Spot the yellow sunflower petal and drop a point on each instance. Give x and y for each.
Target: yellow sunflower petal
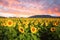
(33, 29)
(9, 23)
(21, 29)
(52, 29)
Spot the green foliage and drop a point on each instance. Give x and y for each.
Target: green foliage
(39, 31)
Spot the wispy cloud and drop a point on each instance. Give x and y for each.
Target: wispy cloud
(30, 7)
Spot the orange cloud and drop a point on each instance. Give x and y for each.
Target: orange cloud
(49, 11)
(32, 9)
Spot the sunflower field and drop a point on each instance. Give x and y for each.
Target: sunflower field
(29, 28)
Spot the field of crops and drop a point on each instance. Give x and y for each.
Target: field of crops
(29, 28)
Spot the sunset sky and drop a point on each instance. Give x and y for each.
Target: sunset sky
(26, 8)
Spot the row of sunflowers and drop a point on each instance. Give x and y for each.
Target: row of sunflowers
(29, 28)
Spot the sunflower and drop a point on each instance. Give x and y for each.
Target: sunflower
(36, 23)
(26, 25)
(46, 23)
(33, 29)
(42, 24)
(3, 24)
(19, 23)
(52, 29)
(14, 24)
(25, 22)
(21, 29)
(55, 23)
(9, 23)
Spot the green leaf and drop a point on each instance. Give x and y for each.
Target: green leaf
(28, 37)
(34, 37)
(16, 39)
(21, 36)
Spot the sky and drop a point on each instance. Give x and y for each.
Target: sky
(28, 8)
